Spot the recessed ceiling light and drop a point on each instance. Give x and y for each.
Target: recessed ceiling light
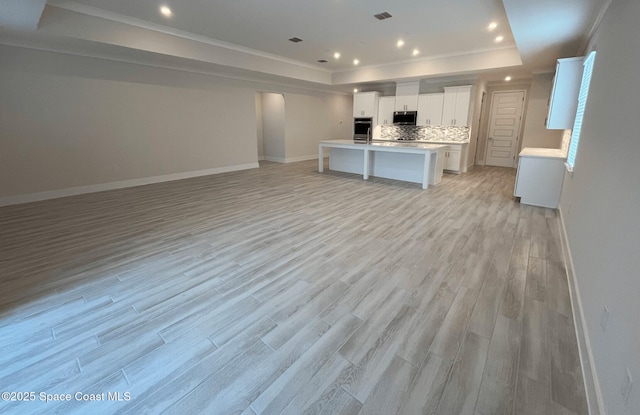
(295, 39)
(400, 43)
(355, 90)
(323, 60)
(336, 55)
(415, 52)
(166, 11)
(507, 78)
(355, 61)
(492, 26)
(499, 39)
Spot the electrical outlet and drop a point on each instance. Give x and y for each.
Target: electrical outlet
(116, 168)
(604, 318)
(625, 390)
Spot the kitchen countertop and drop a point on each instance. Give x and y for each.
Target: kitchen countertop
(408, 144)
(543, 152)
(411, 161)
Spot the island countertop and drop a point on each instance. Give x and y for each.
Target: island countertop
(387, 144)
(416, 162)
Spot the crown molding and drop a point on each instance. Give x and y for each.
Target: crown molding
(143, 24)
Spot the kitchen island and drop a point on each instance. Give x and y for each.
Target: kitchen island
(407, 161)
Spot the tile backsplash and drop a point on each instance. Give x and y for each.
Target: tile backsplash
(429, 133)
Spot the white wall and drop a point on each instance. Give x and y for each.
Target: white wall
(273, 126)
(71, 124)
(600, 206)
(259, 126)
(69, 121)
(535, 132)
(313, 118)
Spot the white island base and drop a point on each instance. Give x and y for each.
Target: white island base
(411, 162)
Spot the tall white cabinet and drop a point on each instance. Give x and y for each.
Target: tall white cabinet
(455, 109)
(430, 109)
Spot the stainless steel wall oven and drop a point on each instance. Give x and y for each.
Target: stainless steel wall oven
(362, 128)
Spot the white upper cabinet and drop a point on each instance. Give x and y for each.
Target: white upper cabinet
(430, 109)
(365, 104)
(455, 109)
(386, 106)
(564, 95)
(407, 96)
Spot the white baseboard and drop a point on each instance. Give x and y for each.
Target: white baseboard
(302, 158)
(290, 159)
(72, 191)
(590, 376)
(275, 159)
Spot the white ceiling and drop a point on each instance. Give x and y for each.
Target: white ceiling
(252, 35)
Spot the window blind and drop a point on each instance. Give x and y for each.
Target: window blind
(582, 102)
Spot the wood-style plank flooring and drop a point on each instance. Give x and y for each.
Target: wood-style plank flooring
(281, 290)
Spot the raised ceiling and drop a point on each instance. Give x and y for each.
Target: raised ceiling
(251, 36)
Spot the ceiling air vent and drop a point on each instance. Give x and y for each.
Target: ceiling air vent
(295, 39)
(323, 60)
(382, 16)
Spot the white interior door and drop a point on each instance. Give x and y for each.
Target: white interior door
(504, 128)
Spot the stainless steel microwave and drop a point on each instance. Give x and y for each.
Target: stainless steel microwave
(405, 117)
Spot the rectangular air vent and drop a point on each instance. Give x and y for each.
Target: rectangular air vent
(382, 16)
(295, 39)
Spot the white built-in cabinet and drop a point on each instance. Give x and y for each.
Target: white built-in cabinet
(365, 104)
(386, 106)
(430, 109)
(452, 160)
(455, 157)
(539, 177)
(407, 96)
(455, 109)
(564, 95)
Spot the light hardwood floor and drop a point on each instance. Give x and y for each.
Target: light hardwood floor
(283, 290)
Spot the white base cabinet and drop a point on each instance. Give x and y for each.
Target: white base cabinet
(452, 160)
(540, 176)
(455, 157)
